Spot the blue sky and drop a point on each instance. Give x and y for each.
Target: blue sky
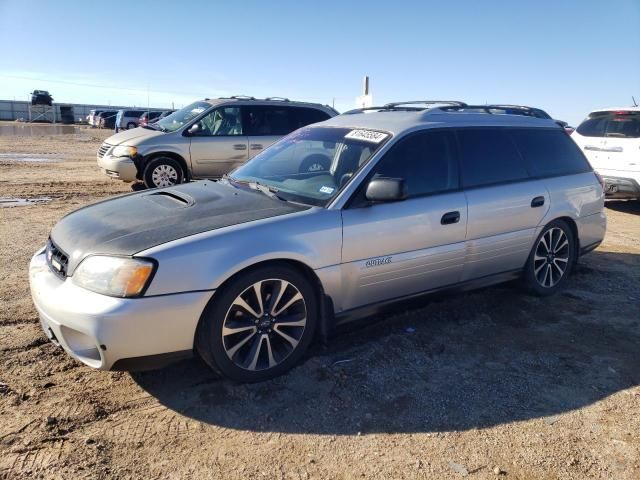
(567, 57)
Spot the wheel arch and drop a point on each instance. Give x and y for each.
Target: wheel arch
(152, 156)
(325, 303)
(574, 230)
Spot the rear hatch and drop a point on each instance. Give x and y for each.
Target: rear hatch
(611, 141)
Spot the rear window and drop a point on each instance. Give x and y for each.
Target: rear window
(489, 156)
(611, 124)
(550, 153)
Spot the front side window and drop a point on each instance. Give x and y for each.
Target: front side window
(424, 160)
(181, 117)
(489, 156)
(221, 122)
(312, 164)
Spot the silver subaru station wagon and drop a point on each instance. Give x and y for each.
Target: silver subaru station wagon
(244, 271)
(205, 139)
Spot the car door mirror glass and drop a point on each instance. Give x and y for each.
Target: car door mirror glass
(386, 190)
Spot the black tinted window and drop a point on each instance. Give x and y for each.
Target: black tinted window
(593, 127)
(267, 120)
(489, 156)
(550, 152)
(307, 116)
(425, 160)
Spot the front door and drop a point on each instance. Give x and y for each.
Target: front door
(219, 145)
(391, 250)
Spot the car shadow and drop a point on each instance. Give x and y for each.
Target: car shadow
(459, 362)
(624, 206)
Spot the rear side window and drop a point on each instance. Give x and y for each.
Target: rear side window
(611, 124)
(489, 156)
(266, 120)
(424, 160)
(550, 152)
(307, 116)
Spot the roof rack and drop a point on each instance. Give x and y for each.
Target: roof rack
(280, 99)
(487, 108)
(408, 106)
(242, 97)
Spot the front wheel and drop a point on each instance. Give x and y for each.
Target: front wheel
(551, 259)
(162, 172)
(131, 125)
(259, 325)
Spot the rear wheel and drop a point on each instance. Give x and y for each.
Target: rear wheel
(259, 325)
(551, 259)
(163, 172)
(131, 125)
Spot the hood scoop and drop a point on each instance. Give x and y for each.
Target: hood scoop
(171, 199)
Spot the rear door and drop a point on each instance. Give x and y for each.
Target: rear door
(505, 205)
(220, 144)
(266, 124)
(396, 249)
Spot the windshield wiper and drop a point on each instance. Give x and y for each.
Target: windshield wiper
(268, 190)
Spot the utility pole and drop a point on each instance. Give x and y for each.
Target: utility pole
(366, 99)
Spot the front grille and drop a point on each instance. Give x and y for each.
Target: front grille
(104, 148)
(57, 260)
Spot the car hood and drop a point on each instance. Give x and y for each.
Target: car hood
(137, 134)
(131, 223)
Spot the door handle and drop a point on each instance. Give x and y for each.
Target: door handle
(450, 217)
(537, 202)
(239, 146)
(256, 146)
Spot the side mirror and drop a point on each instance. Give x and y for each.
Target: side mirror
(386, 190)
(193, 129)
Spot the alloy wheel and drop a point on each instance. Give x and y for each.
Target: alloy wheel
(264, 324)
(551, 257)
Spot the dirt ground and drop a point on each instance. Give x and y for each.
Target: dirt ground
(489, 384)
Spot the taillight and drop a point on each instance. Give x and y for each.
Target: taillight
(600, 180)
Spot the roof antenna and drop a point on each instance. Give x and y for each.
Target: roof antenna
(635, 104)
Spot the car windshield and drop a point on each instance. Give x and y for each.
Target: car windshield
(312, 164)
(179, 118)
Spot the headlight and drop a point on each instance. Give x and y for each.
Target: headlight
(124, 151)
(114, 276)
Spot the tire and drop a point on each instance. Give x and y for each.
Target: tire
(266, 343)
(555, 246)
(131, 125)
(163, 172)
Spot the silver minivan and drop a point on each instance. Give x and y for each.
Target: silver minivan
(245, 271)
(205, 139)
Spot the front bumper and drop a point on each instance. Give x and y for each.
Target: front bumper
(122, 168)
(99, 330)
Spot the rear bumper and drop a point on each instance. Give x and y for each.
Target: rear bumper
(122, 168)
(591, 231)
(621, 187)
(107, 332)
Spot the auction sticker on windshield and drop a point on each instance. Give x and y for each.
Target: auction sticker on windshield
(367, 135)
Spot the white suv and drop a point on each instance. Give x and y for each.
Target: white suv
(610, 139)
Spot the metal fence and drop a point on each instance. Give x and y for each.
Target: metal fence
(15, 110)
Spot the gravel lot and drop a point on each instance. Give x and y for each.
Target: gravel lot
(489, 384)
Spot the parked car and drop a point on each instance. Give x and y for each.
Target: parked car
(205, 139)
(107, 119)
(91, 119)
(148, 117)
(166, 113)
(610, 138)
(128, 119)
(41, 97)
(244, 271)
